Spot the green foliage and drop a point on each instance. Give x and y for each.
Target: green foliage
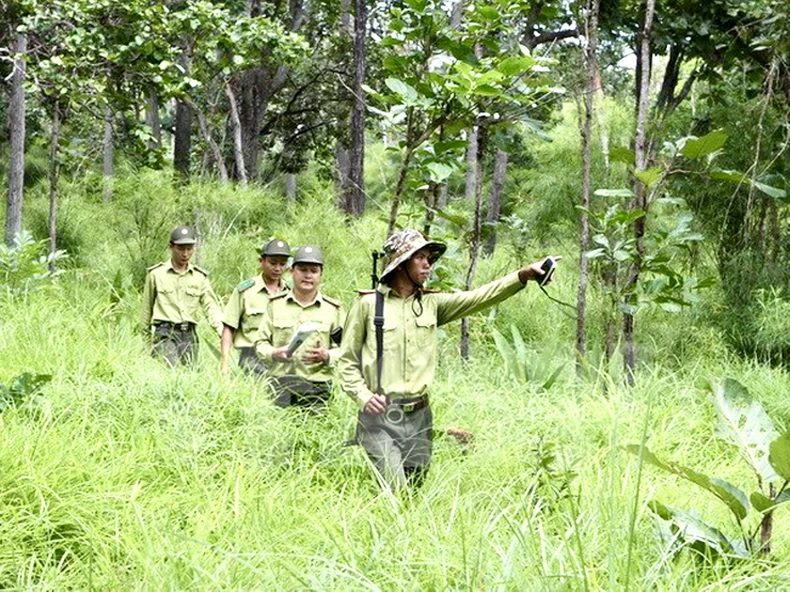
(742, 422)
(23, 267)
(527, 366)
(22, 390)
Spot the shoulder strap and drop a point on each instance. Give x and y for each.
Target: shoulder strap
(378, 321)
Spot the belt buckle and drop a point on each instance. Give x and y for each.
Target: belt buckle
(394, 414)
(184, 326)
(409, 407)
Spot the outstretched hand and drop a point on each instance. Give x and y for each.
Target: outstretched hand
(534, 271)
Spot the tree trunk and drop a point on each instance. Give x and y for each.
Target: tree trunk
(591, 60)
(640, 199)
(495, 202)
(182, 141)
(355, 189)
(477, 234)
(108, 168)
(290, 187)
(212, 144)
(16, 124)
(341, 172)
(153, 121)
(470, 186)
(54, 176)
(238, 152)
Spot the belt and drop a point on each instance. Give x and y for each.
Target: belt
(409, 404)
(184, 327)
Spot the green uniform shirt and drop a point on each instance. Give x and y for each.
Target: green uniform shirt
(245, 309)
(409, 355)
(177, 297)
(283, 316)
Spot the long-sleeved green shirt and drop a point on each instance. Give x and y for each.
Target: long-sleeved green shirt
(409, 354)
(245, 310)
(178, 297)
(284, 315)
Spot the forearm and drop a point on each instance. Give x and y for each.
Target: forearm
(226, 341)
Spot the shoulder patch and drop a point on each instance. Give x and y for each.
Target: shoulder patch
(332, 301)
(201, 270)
(245, 285)
(428, 291)
(363, 292)
(160, 264)
(278, 295)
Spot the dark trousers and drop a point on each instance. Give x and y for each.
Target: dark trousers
(175, 344)
(290, 391)
(250, 362)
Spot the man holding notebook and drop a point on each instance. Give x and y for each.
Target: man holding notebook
(299, 336)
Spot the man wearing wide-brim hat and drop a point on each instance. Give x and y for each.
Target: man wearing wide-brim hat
(174, 293)
(395, 424)
(247, 304)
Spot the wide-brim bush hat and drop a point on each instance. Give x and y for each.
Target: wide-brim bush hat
(183, 235)
(402, 245)
(276, 248)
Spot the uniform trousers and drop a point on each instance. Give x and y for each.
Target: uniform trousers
(398, 444)
(176, 344)
(250, 362)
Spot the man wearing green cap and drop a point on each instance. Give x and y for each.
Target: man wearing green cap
(299, 336)
(174, 292)
(247, 306)
(388, 356)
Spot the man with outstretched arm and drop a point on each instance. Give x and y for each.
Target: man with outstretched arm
(389, 374)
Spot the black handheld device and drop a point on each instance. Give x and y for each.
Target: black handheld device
(548, 266)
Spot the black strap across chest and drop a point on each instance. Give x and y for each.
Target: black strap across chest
(378, 321)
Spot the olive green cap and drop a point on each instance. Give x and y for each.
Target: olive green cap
(183, 235)
(308, 254)
(276, 248)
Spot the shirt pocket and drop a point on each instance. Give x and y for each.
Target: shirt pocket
(253, 318)
(282, 331)
(192, 296)
(425, 329)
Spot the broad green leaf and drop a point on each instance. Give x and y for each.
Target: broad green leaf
(650, 177)
(614, 193)
(696, 533)
(515, 66)
(439, 172)
(728, 175)
(774, 192)
(779, 455)
(763, 503)
(696, 148)
(404, 90)
(622, 154)
(734, 498)
(744, 423)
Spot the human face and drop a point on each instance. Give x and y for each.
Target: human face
(306, 278)
(273, 268)
(180, 254)
(418, 267)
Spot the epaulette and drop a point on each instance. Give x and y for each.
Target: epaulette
(429, 291)
(160, 264)
(279, 295)
(201, 270)
(245, 285)
(332, 301)
(364, 292)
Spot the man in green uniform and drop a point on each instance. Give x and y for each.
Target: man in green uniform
(174, 292)
(302, 374)
(395, 423)
(247, 305)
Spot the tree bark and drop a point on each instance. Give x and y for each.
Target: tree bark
(54, 176)
(108, 160)
(290, 187)
(238, 152)
(355, 189)
(591, 60)
(640, 198)
(477, 233)
(495, 201)
(470, 185)
(341, 172)
(182, 141)
(16, 124)
(153, 121)
(212, 144)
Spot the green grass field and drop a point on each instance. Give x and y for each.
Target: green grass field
(125, 474)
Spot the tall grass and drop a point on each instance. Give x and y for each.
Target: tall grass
(133, 476)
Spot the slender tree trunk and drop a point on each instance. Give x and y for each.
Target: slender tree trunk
(470, 186)
(206, 133)
(153, 121)
(290, 187)
(341, 173)
(355, 189)
(108, 161)
(495, 202)
(238, 151)
(586, 132)
(16, 123)
(403, 172)
(54, 176)
(640, 199)
(477, 234)
(182, 141)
